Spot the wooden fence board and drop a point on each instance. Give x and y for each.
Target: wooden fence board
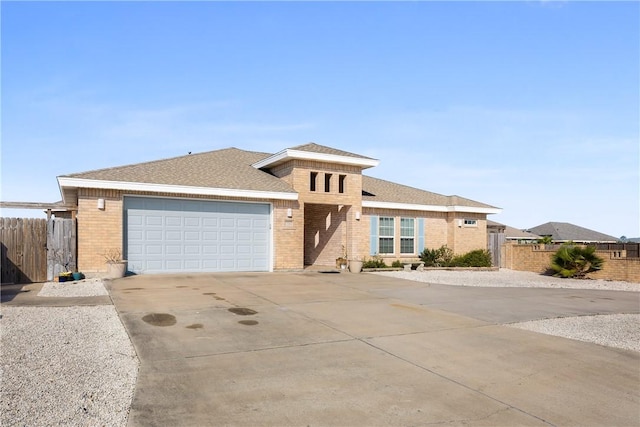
(61, 245)
(23, 255)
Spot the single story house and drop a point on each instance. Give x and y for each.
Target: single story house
(237, 210)
(511, 234)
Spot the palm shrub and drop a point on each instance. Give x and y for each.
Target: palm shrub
(575, 261)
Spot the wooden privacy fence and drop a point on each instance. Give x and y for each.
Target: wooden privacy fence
(36, 250)
(24, 250)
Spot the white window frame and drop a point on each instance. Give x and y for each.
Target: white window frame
(411, 237)
(386, 236)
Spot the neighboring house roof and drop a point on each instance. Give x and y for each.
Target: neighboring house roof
(378, 193)
(564, 232)
(512, 233)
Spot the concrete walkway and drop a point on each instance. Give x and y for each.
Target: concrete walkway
(360, 349)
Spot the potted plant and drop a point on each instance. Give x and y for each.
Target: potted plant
(65, 276)
(341, 261)
(355, 265)
(116, 266)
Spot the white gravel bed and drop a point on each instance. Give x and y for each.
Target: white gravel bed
(612, 330)
(508, 278)
(65, 366)
(80, 288)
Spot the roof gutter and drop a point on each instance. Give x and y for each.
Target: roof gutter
(69, 183)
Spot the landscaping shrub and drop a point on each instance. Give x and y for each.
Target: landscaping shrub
(440, 257)
(374, 262)
(575, 261)
(397, 264)
(477, 258)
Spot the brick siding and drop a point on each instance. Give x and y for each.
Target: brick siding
(537, 259)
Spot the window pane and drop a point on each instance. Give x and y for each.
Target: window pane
(406, 245)
(386, 227)
(386, 245)
(406, 227)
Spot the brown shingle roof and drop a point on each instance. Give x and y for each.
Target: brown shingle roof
(312, 147)
(564, 231)
(379, 190)
(228, 168)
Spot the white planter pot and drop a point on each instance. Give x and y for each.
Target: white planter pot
(355, 266)
(116, 270)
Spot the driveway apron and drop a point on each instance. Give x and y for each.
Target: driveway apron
(361, 349)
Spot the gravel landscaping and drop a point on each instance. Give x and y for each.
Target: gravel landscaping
(66, 365)
(508, 278)
(81, 288)
(617, 330)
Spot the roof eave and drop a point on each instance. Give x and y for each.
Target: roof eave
(289, 154)
(68, 183)
(429, 208)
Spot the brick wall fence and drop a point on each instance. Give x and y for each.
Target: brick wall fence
(537, 258)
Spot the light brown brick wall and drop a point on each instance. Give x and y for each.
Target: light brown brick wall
(98, 230)
(534, 258)
(463, 239)
(288, 235)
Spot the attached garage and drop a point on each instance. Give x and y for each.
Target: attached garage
(175, 235)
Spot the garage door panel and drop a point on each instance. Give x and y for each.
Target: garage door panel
(192, 236)
(210, 222)
(165, 235)
(173, 221)
(173, 250)
(153, 235)
(210, 236)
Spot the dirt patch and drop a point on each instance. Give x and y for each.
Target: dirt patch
(242, 311)
(160, 319)
(195, 326)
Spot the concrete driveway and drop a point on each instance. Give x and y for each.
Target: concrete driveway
(360, 349)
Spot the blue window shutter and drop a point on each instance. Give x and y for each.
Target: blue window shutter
(420, 235)
(373, 243)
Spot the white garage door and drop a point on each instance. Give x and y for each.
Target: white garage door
(173, 235)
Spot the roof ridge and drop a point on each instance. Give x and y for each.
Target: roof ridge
(151, 162)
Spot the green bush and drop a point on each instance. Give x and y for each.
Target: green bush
(397, 264)
(477, 258)
(575, 261)
(374, 262)
(440, 257)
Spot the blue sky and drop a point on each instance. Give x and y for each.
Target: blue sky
(533, 107)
